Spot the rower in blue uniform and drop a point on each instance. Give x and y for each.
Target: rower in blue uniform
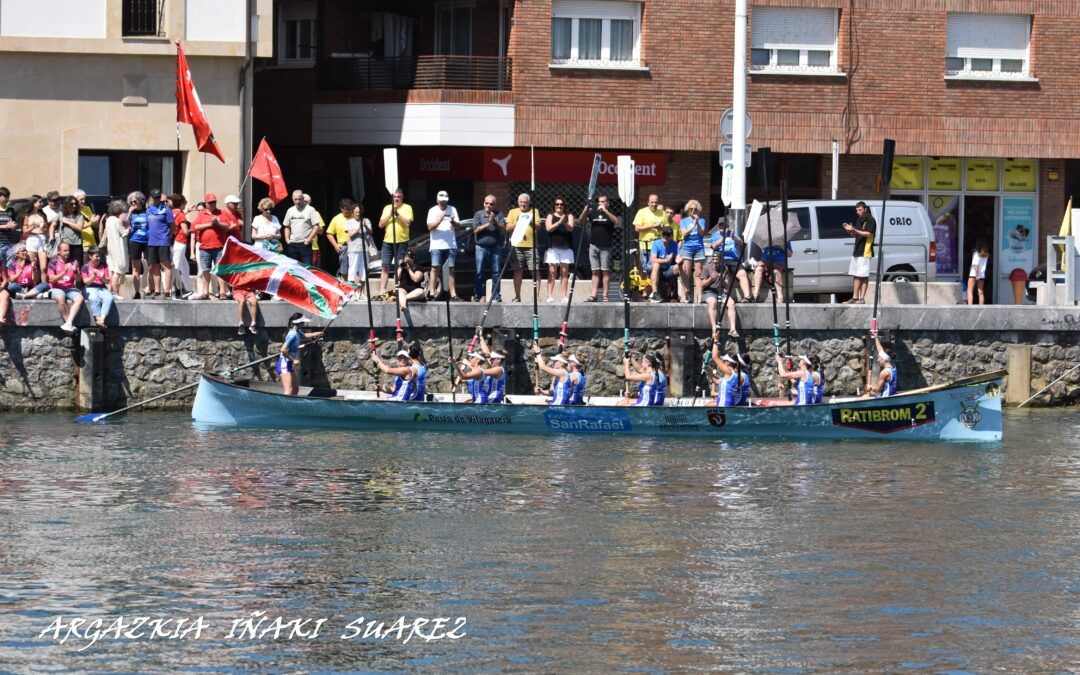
(819, 378)
(743, 369)
(561, 383)
(418, 391)
(727, 382)
(473, 374)
(494, 374)
(577, 368)
(887, 378)
(403, 373)
(652, 382)
(803, 378)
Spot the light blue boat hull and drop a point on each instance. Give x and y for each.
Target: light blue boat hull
(966, 410)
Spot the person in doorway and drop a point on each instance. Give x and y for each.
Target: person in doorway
(63, 275)
(442, 219)
(523, 253)
(395, 221)
(560, 253)
(864, 231)
(601, 223)
(288, 362)
(489, 228)
(980, 257)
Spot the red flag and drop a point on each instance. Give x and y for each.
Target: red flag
(265, 167)
(189, 109)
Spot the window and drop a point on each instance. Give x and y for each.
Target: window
(793, 40)
(596, 33)
(831, 219)
(987, 45)
(454, 22)
(296, 34)
(142, 18)
(803, 214)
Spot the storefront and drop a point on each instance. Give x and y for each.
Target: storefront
(974, 202)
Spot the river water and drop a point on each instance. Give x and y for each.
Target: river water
(560, 554)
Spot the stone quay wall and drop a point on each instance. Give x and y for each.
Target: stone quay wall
(154, 347)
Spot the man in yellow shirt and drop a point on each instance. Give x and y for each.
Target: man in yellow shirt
(522, 254)
(338, 237)
(395, 221)
(647, 223)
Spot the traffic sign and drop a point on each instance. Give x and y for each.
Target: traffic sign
(727, 153)
(727, 123)
(725, 183)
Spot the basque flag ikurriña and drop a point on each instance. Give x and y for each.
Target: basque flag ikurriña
(254, 269)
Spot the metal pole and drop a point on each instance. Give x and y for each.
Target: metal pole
(738, 105)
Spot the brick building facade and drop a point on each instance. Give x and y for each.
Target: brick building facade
(977, 82)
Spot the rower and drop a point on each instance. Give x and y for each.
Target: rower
(819, 378)
(887, 377)
(577, 367)
(473, 374)
(419, 388)
(403, 373)
(743, 369)
(561, 383)
(652, 383)
(803, 378)
(727, 382)
(494, 374)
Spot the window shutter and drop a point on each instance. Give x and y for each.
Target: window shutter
(987, 36)
(793, 28)
(596, 9)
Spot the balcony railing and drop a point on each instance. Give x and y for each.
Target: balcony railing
(142, 18)
(435, 71)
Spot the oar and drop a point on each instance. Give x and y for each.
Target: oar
(450, 349)
(487, 308)
(577, 253)
(626, 174)
(766, 157)
(1036, 394)
(390, 176)
(887, 152)
(722, 310)
(788, 277)
(701, 374)
(367, 296)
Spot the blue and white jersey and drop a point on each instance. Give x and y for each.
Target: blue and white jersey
(804, 390)
(476, 390)
(890, 387)
(419, 383)
(819, 387)
(744, 389)
(727, 391)
(292, 343)
(661, 389)
(577, 392)
(495, 388)
(401, 390)
(561, 390)
(652, 393)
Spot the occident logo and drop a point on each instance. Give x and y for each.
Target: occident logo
(609, 169)
(885, 419)
(435, 165)
(587, 421)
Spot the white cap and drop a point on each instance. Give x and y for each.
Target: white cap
(573, 359)
(559, 357)
(727, 358)
(301, 320)
(496, 355)
(806, 360)
(232, 199)
(403, 353)
(477, 355)
(442, 196)
(884, 357)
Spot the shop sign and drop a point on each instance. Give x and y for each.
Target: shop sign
(1017, 235)
(982, 175)
(570, 166)
(907, 173)
(1020, 175)
(944, 173)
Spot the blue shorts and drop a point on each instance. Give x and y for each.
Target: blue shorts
(72, 294)
(208, 257)
(284, 365)
(774, 254)
(440, 254)
(692, 251)
(391, 254)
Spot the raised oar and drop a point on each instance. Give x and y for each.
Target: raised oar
(450, 348)
(563, 331)
(788, 290)
(487, 308)
(626, 174)
(390, 177)
(367, 295)
(887, 152)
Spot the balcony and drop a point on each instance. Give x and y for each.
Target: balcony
(359, 72)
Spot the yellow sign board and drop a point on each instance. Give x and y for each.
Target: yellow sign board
(1020, 175)
(944, 173)
(907, 173)
(982, 175)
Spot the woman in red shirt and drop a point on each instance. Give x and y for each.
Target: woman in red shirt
(182, 278)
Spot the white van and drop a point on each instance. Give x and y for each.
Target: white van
(822, 250)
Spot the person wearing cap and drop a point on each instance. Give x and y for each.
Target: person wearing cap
(395, 221)
(727, 380)
(441, 221)
(472, 371)
(495, 373)
(576, 366)
(887, 377)
(805, 384)
(214, 227)
(562, 381)
(300, 226)
(649, 374)
(160, 221)
(410, 374)
(288, 362)
(662, 261)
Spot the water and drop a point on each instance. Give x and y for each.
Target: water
(563, 554)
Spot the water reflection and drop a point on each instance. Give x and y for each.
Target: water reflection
(583, 554)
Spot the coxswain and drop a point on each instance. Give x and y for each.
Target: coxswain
(561, 383)
(289, 359)
(886, 384)
(652, 382)
(803, 379)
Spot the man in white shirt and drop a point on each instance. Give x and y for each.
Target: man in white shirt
(51, 210)
(441, 221)
(300, 226)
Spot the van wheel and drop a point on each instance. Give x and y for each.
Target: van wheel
(902, 275)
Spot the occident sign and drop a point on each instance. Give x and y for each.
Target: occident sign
(512, 164)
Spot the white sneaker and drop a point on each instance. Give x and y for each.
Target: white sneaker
(564, 301)
(67, 327)
(550, 299)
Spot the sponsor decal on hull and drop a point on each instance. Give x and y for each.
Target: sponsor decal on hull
(587, 422)
(885, 419)
(485, 420)
(716, 416)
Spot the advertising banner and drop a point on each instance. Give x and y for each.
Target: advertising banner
(1017, 235)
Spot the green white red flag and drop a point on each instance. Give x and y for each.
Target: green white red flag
(255, 269)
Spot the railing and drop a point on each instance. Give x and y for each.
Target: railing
(143, 18)
(349, 72)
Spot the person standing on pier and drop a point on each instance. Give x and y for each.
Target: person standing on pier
(489, 228)
(288, 362)
(863, 230)
(395, 221)
(442, 219)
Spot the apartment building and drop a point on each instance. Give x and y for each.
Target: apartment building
(978, 95)
(87, 92)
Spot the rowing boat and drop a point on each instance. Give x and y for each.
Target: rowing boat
(964, 410)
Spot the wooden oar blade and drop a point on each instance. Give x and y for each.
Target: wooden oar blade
(390, 169)
(626, 170)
